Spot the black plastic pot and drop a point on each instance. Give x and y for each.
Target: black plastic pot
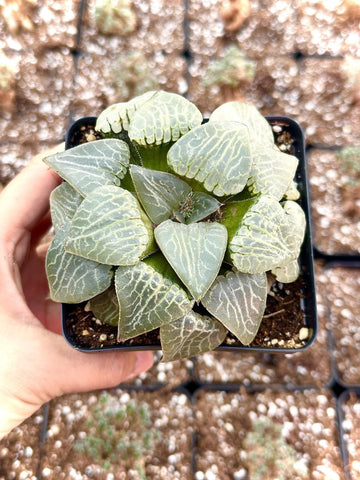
(75, 135)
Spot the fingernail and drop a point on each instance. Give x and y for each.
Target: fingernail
(144, 361)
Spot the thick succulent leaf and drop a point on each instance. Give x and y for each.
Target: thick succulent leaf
(159, 192)
(110, 227)
(293, 237)
(190, 335)
(196, 206)
(247, 114)
(260, 241)
(117, 117)
(271, 172)
(217, 155)
(147, 300)
(106, 307)
(93, 164)
(292, 193)
(238, 301)
(163, 119)
(64, 201)
(287, 273)
(73, 279)
(194, 251)
(297, 225)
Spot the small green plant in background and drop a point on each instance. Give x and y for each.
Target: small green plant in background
(269, 455)
(350, 157)
(114, 17)
(118, 431)
(233, 69)
(132, 75)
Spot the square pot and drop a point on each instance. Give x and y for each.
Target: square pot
(74, 319)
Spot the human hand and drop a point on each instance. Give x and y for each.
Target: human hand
(36, 363)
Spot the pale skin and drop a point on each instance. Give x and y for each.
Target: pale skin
(36, 363)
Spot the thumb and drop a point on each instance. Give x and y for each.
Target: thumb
(40, 369)
(79, 372)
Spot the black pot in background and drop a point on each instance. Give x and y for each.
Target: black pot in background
(75, 136)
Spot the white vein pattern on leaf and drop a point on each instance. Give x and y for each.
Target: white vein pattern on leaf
(188, 252)
(259, 245)
(152, 297)
(238, 300)
(210, 163)
(71, 270)
(114, 227)
(105, 161)
(191, 333)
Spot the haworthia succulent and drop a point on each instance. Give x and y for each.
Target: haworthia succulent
(159, 192)
(297, 223)
(163, 119)
(64, 201)
(194, 251)
(272, 171)
(106, 307)
(292, 193)
(164, 195)
(73, 279)
(196, 206)
(259, 243)
(210, 192)
(216, 155)
(147, 300)
(287, 273)
(93, 164)
(117, 117)
(293, 237)
(238, 301)
(109, 227)
(190, 335)
(247, 114)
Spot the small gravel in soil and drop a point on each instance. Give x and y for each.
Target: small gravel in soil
(169, 458)
(52, 24)
(307, 417)
(344, 309)
(20, 450)
(328, 28)
(160, 28)
(94, 88)
(329, 113)
(43, 98)
(351, 429)
(336, 224)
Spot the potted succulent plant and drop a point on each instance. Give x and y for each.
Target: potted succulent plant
(174, 228)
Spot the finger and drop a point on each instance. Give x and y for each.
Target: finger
(68, 370)
(42, 366)
(104, 369)
(25, 200)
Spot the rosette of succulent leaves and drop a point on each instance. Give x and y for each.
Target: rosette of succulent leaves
(174, 223)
